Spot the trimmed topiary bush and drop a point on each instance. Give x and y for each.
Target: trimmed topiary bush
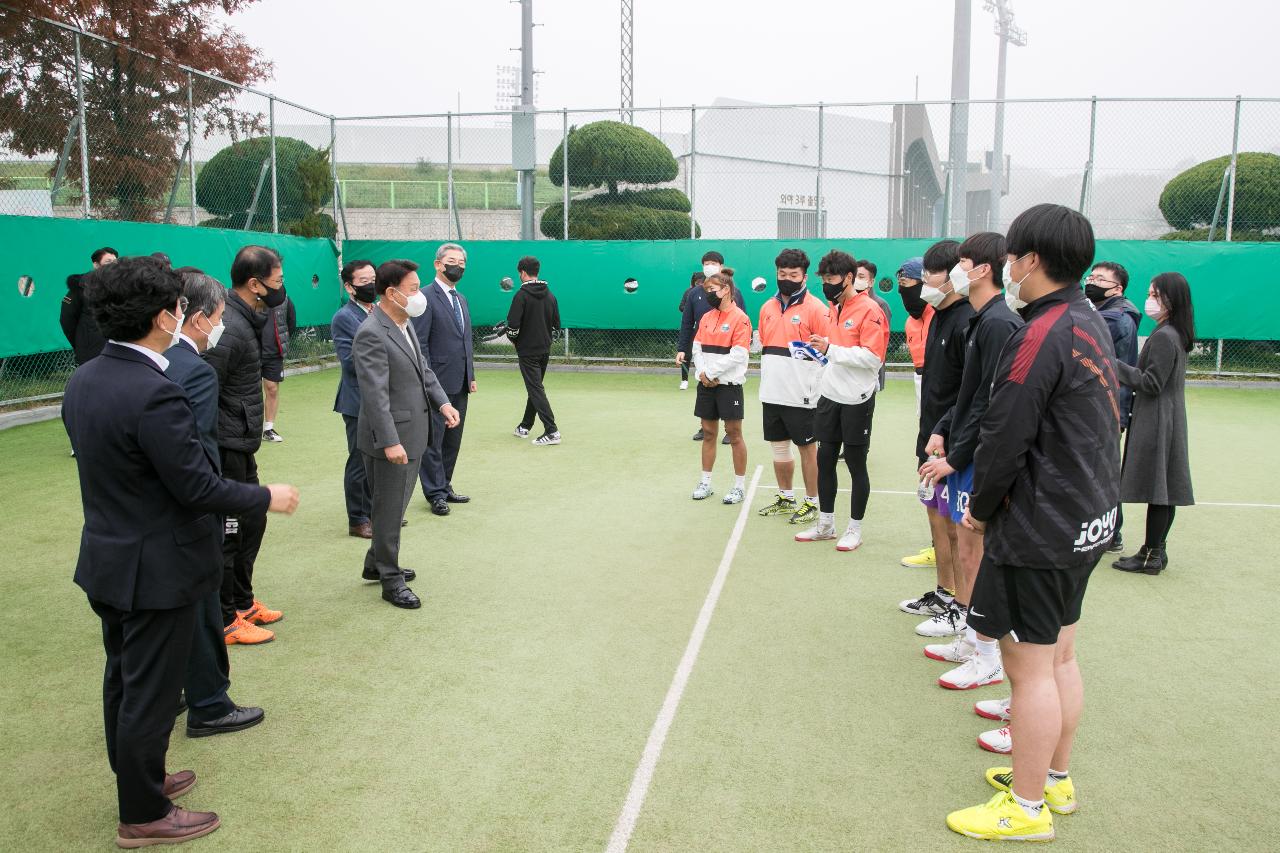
(227, 182)
(1188, 201)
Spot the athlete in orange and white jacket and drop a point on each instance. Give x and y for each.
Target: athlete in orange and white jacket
(720, 350)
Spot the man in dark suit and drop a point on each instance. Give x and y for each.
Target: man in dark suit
(210, 709)
(150, 548)
(359, 280)
(445, 332)
(398, 397)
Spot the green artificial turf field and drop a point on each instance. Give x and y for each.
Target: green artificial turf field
(511, 711)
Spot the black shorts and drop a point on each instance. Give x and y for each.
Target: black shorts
(273, 369)
(1030, 605)
(788, 423)
(718, 403)
(849, 425)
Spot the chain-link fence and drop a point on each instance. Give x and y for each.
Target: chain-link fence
(92, 129)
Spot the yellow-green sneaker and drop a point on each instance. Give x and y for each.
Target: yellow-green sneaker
(926, 559)
(782, 505)
(806, 513)
(1061, 798)
(1002, 819)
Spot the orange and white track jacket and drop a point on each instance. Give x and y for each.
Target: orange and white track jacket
(858, 340)
(784, 380)
(720, 346)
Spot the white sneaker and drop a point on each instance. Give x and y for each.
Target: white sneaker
(998, 740)
(958, 650)
(851, 539)
(684, 385)
(817, 533)
(703, 491)
(945, 624)
(994, 709)
(977, 671)
(734, 496)
(547, 439)
(520, 432)
(926, 605)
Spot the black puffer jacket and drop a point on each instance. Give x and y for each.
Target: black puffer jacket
(237, 359)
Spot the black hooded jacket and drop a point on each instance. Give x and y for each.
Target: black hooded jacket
(237, 359)
(533, 318)
(78, 323)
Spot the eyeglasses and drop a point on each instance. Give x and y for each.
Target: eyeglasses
(1097, 279)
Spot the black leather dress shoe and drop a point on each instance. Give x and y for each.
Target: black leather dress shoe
(182, 702)
(237, 721)
(439, 506)
(372, 574)
(402, 597)
(455, 498)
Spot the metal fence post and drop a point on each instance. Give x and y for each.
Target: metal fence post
(275, 185)
(693, 148)
(1231, 190)
(85, 203)
(191, 145)
(1218, 368)
(564, 175)
(566, 343)
(449, 155)
(333, 168)
(1086, 186)
(818, 229)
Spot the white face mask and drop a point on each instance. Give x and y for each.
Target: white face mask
(710, 269)
(861, 284)
(960, 280)
(932, 295)
(176, 334)
(416, 305)
(1013, 289)
(1153, 308)
(215, 335)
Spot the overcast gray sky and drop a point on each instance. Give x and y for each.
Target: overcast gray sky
(392, 56)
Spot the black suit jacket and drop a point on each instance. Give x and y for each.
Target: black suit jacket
(151, 538)
(194, 375)
(448, 350)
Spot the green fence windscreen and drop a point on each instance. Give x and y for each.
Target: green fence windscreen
(37, 254)
(587, 276)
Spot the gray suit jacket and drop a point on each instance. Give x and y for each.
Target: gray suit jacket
(398, 391)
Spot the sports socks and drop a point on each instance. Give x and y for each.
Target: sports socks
(706, 478)
(789, 494)
(739, 482)
(1031, 807)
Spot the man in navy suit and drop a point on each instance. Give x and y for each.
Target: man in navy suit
(359, 281)
(210, 709)
(445, 334)
(150, 547)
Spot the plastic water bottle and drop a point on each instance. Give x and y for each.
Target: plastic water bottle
(925, 490)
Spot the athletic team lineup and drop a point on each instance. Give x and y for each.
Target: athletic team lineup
(1025, 384)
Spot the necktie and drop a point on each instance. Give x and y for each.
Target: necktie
(457, 309)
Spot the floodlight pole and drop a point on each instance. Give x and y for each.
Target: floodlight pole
(957, 215)
(1008, 32)
(526, 106)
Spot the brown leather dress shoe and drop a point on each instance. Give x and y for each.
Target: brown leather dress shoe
(177, 784)
(177, 826)
(363, 530)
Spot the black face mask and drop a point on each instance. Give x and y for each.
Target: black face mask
(365, 293)
(789, 288)
(713, 299)
(911, 300)
(832, 291)
(274, 298)
(453, 272)
(1095, 293)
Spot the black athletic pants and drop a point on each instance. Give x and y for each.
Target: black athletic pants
(532, 370)
(855, 459)
(242, 541)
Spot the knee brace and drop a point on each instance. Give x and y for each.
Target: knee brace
(782, 451)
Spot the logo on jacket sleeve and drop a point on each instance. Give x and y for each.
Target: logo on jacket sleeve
(1096, 532)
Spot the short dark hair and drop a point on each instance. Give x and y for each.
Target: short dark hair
(529, 265)
(350, 267)
(126, 296)
(254, 262)
(99, 254)
(838, 263)
(391, 273)
(1062, 237)
(871, 268)
(1175, 295)
(791, 259)
(162, 258)
(942, 256)
(1121, 274)
(697, 279)
(713, 257)
(986, 247)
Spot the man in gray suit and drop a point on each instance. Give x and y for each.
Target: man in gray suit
(398, 394)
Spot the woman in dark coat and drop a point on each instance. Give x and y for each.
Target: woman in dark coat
(1156, 469)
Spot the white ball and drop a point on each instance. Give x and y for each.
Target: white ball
(758, 284)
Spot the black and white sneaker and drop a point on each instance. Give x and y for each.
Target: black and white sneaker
(547, 438)
(272, 436)
(521, 432)
(928, 604)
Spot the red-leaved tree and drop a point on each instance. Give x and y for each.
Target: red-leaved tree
(135, 92)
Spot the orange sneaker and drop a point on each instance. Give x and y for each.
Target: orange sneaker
(246, 633)
(260, 614)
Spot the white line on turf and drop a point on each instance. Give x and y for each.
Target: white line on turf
(1198, 503)
(658, 734)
